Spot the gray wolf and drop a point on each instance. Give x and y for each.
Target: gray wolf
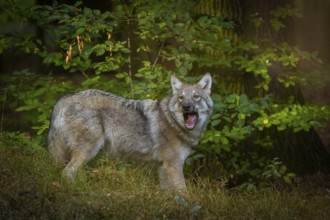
(163, 131)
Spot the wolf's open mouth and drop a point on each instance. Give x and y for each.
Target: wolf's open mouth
(190, 120)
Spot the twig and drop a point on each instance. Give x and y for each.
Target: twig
(159, 52)
(84, 74)
(130, 63)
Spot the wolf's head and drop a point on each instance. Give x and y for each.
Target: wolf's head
(192, 104)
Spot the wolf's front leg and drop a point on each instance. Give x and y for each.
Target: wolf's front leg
(171, 176)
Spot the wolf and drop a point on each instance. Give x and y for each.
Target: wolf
(162, 131)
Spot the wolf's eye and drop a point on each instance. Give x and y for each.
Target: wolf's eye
(196, 96)
(181, 97)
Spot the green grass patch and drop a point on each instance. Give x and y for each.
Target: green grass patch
(31, 188)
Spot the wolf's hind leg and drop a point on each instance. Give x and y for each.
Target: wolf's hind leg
(76, 161)
(79, 157)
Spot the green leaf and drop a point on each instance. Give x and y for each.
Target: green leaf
(120, 75)
(25, 108)
(281, 127)
(215, 122)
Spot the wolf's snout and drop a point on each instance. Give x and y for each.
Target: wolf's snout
(188, 107)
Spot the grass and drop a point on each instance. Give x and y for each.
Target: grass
(31, 188)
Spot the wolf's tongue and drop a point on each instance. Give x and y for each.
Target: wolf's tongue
(191, 120)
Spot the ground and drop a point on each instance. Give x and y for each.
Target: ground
(31, 187)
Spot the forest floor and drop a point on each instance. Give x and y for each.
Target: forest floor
(31, 188)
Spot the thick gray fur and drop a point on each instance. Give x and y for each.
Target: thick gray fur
(146, 130)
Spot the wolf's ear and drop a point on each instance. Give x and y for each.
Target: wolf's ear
(206, 83)
(176, 84)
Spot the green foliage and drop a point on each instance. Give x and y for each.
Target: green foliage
(132, 51)
(232, 113)
(36, 95)
(298, 117)
(20, 141)
(277, 170)
(277, 17)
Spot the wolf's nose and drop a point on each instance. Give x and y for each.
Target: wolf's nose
(188, 107)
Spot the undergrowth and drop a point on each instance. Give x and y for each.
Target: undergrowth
(31, 188)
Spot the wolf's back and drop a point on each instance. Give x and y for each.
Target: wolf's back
(87, 120)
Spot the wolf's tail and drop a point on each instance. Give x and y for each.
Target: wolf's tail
(57, 147)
